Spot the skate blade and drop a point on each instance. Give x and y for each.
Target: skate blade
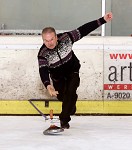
(53, 131)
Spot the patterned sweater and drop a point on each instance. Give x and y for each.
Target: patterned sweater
(61, 61)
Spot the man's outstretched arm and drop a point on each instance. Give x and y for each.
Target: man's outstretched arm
(85, 29)
(91, 26)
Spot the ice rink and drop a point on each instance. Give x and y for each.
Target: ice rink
(85, 133)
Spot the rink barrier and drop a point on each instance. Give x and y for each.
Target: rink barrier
(17, 71)
(17, 107)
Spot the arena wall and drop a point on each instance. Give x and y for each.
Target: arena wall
(105, 73)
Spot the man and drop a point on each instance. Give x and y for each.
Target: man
(58, 62)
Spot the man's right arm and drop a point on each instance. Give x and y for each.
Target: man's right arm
(44, 75)
(43, 71)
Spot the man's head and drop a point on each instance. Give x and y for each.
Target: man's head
(49, 37)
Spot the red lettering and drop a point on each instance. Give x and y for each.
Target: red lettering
(120, 56)
(113, 56)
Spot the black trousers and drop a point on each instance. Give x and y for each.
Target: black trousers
(67, 87)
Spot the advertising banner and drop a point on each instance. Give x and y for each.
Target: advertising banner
(117, 72)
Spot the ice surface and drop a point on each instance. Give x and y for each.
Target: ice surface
(85, 133)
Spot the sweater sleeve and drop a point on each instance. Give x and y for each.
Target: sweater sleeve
(43, 71)
(90, 26)
(85, 29)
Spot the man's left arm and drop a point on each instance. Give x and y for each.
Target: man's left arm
(85, 29)
(91, 26)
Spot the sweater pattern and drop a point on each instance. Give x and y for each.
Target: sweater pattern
(61, 54)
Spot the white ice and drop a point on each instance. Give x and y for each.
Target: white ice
(85, 133)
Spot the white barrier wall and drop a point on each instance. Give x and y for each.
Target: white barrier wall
(118, 68)
(19, 76)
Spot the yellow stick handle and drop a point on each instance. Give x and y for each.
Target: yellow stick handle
(51, 114)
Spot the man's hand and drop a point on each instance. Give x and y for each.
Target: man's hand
(108, 16)
(52, 91)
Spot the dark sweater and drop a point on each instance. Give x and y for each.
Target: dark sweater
(61, 61)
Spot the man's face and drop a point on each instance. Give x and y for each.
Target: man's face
(50, 40)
